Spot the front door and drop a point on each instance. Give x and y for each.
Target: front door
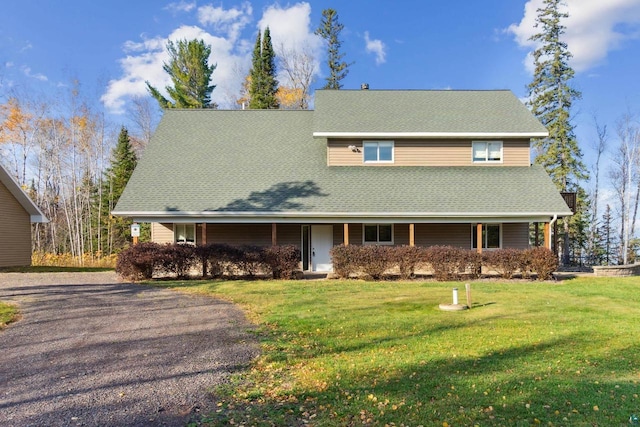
(321, 244)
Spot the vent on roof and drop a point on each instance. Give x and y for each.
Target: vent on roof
(364, 86)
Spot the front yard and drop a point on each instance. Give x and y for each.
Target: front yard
(382, 353)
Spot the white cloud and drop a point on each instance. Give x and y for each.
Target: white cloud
(38, 76)
(150, 55)
(593, 29)
(291, 31)
(376, 47)
(229, 21)
(181, 6)
(230, 50)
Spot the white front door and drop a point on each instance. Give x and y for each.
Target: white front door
(321, 244)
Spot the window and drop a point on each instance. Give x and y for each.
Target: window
(381, 234)
(185, 233)
(378, 151)
(490, 236)
(487, 151)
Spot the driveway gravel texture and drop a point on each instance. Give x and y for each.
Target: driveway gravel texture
(90, 351)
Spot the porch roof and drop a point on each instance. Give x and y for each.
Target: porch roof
(265, 166)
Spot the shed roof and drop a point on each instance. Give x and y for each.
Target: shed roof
(27, 204)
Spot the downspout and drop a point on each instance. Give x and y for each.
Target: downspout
(553, 220)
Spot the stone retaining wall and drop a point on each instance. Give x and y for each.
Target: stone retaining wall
(617, 270)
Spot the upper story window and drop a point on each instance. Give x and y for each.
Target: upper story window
(185, 233)
(380, 234)
(487, 151)
(378, 151)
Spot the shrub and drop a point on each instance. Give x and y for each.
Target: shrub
(217, 257)
(282, 260)
(444, 261)
(504, 261)
(543, 262)
(470, 262)
(344, 259)
(177, 259)
(374, 260)
(249, 259)
(407, 259)
(138, 262)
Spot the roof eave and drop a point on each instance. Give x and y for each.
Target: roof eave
(35, 214)
(352, 217)
(447, 135)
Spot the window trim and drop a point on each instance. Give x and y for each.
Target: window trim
(377, 242)
(185, 225)
(484, 234)
(377, 143)
(486, 158)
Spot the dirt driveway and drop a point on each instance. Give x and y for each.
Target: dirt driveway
(90, 351)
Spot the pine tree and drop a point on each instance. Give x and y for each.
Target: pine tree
(190, 73)
(329, 30)
(550, 100)
(263, 84)
(115, 231)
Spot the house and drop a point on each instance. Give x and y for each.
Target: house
(17, 212)
(365, 167)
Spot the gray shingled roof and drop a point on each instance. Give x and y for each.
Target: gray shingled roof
(227, 164)
(439, 111)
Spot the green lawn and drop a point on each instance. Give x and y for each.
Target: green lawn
(381, 353)
(8, 314)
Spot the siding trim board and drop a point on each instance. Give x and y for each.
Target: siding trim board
(491, 135)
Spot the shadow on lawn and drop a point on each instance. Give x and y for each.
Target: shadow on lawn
(542, 383)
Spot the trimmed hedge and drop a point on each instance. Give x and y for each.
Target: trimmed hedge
(146, 260)
(445, 262)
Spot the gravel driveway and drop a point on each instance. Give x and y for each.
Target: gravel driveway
(90, 351)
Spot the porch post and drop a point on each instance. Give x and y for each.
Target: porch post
(346, 234)
(203, 241)
(203, 234)
(412, 234)
(547, 235)
(274, 238)
(479, 237)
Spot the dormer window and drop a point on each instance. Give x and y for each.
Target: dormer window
(377, 151)
(487, 151)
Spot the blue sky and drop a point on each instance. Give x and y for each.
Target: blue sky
(113, 46)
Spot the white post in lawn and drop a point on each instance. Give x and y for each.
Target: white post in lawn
(468, 287)
(455, 296)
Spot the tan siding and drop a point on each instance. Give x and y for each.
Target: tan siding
(515, 235)
(401, 234)
(15, 229)
(444, 234)
(162, 232)
(428, 153)
(239, 234)
(289, 234)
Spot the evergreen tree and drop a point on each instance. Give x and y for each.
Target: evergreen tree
(190, 73)
(550, 100)
(263, 86)
(115, 230)
(608, 240)
(329, 30)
